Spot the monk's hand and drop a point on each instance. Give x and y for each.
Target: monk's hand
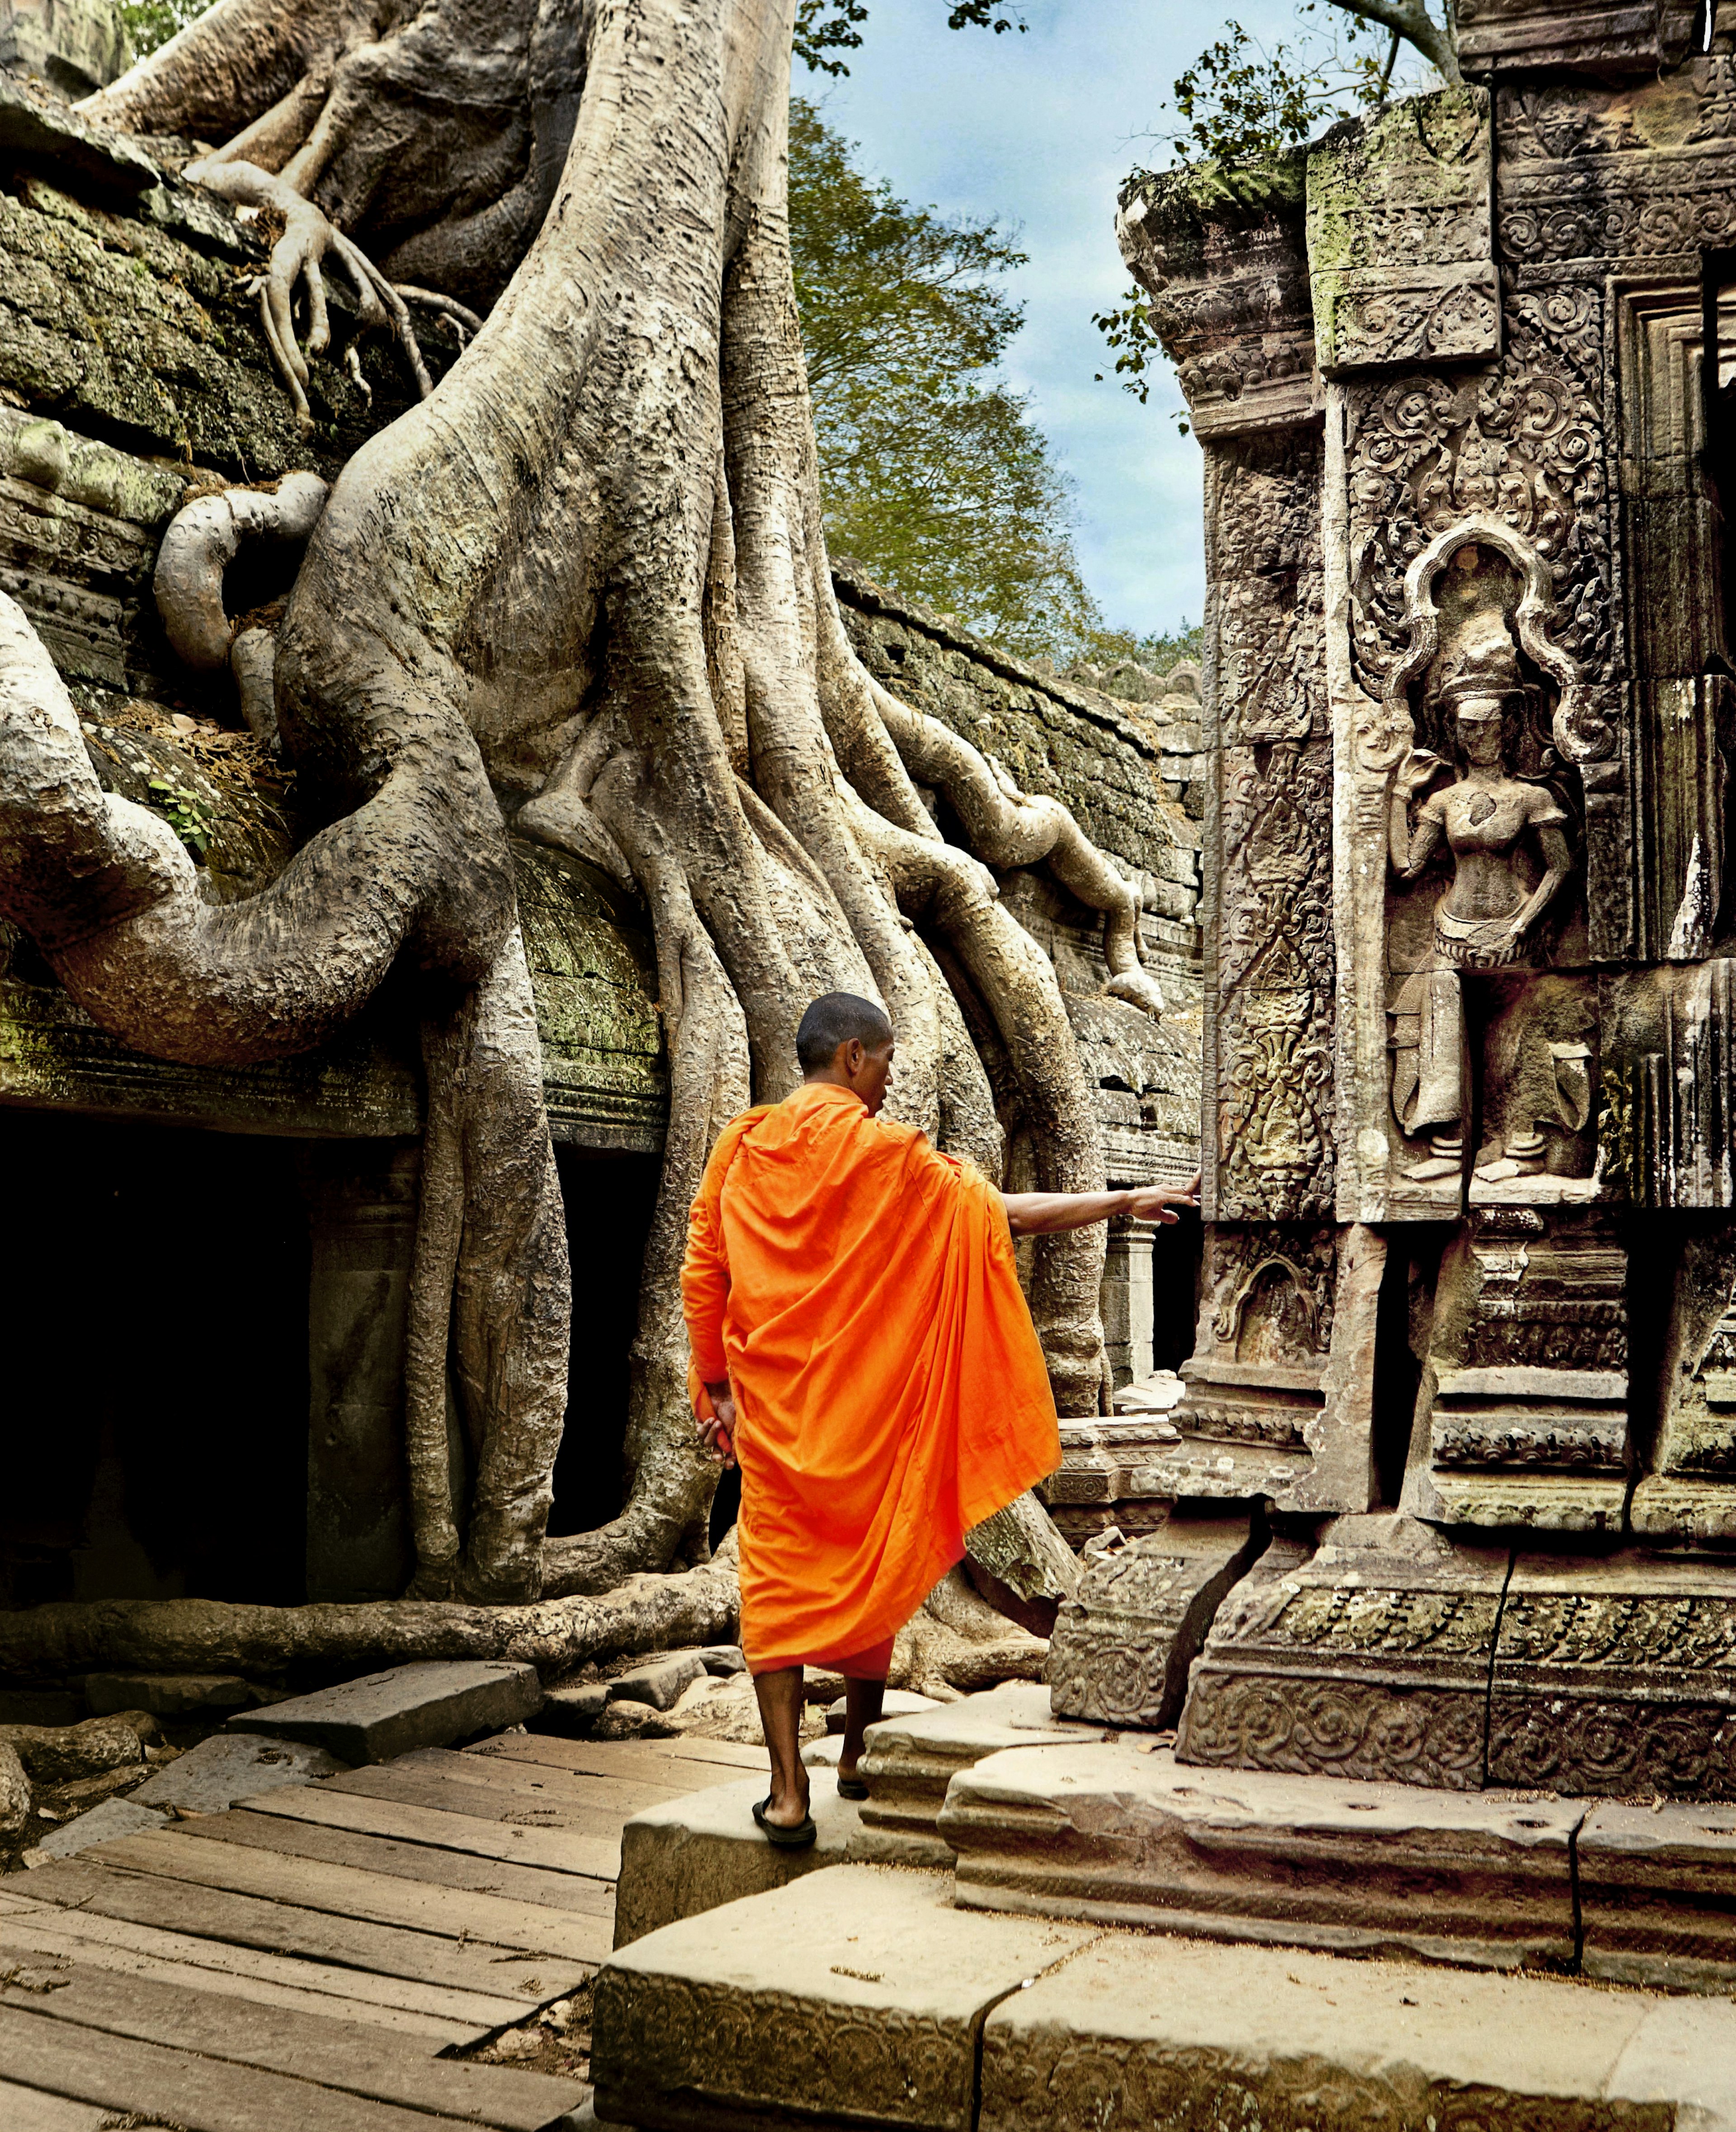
(717, 1432)
(1158, 1202)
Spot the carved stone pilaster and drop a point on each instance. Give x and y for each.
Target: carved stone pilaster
(1128, 1308)
(1668, 1101)
(1690, 1492)
(1525, 1392)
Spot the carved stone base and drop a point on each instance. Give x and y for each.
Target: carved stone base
(1616, 1676)
(1121, 1649)
(1368, 1658)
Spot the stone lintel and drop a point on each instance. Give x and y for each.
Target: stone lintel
(1116, 1835)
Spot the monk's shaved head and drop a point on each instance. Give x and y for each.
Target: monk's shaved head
(836, 1018)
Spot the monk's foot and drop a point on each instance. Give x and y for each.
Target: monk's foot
(787, 1812)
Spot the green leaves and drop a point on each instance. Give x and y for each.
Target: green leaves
(151, 23)
(186, 814)
(933, 474)
(830, 25)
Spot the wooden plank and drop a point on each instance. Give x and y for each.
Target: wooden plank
(482, 1801)
(204, 2094)
(629, 1759)
(407, 1862)
(59, 1935)
(351, 1892)
(621, 1796)
(550, 1850)
(521, 1982)
(28, 2110)
(325, 2049)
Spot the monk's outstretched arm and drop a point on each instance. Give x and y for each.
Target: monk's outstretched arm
(1047, 1213)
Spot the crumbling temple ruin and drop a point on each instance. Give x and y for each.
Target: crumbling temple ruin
(1461, 375)
(1385, 1771)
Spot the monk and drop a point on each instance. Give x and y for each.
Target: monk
(861, 1348)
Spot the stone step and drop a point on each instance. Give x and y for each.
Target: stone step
(909, 1761)
(1149, 2033)
(1112, 1834)
(1109, 1833)
(428, 1704)
(699, 1852)
(856, 1995)
(1657, 1895)
(861, 1996)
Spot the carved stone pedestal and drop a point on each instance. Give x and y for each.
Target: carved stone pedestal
(1121, 1649)
(1526, 1389)
(1367, 1658)
(1615, 1676)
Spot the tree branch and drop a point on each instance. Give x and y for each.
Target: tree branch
(1411, 20)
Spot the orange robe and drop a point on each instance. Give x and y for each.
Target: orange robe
(858, 1291)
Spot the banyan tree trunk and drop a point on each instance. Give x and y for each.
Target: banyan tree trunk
(590, 561)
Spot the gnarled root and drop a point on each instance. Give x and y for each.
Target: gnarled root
(492, 1269)
(296, 262)
(198, 546)
(672, 1482)
(205, 1635)
(958, 1644)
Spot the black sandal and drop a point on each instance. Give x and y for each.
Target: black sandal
(798, 1838)
(852, 1788)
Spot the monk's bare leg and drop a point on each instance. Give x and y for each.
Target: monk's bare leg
(863, 1701)
(780, 1715)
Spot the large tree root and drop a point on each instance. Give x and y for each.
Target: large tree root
(646, 1613)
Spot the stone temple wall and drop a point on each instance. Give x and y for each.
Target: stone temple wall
(1462, 374)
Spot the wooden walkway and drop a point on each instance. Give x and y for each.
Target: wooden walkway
(311, 1960)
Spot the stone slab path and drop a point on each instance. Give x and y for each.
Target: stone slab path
(307, 1961)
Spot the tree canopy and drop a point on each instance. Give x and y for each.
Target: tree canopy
(933, 474)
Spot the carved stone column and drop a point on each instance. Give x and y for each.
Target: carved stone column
(1127, 1300)
(361, 1198)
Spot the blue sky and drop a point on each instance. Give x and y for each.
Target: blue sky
(1041, 129)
